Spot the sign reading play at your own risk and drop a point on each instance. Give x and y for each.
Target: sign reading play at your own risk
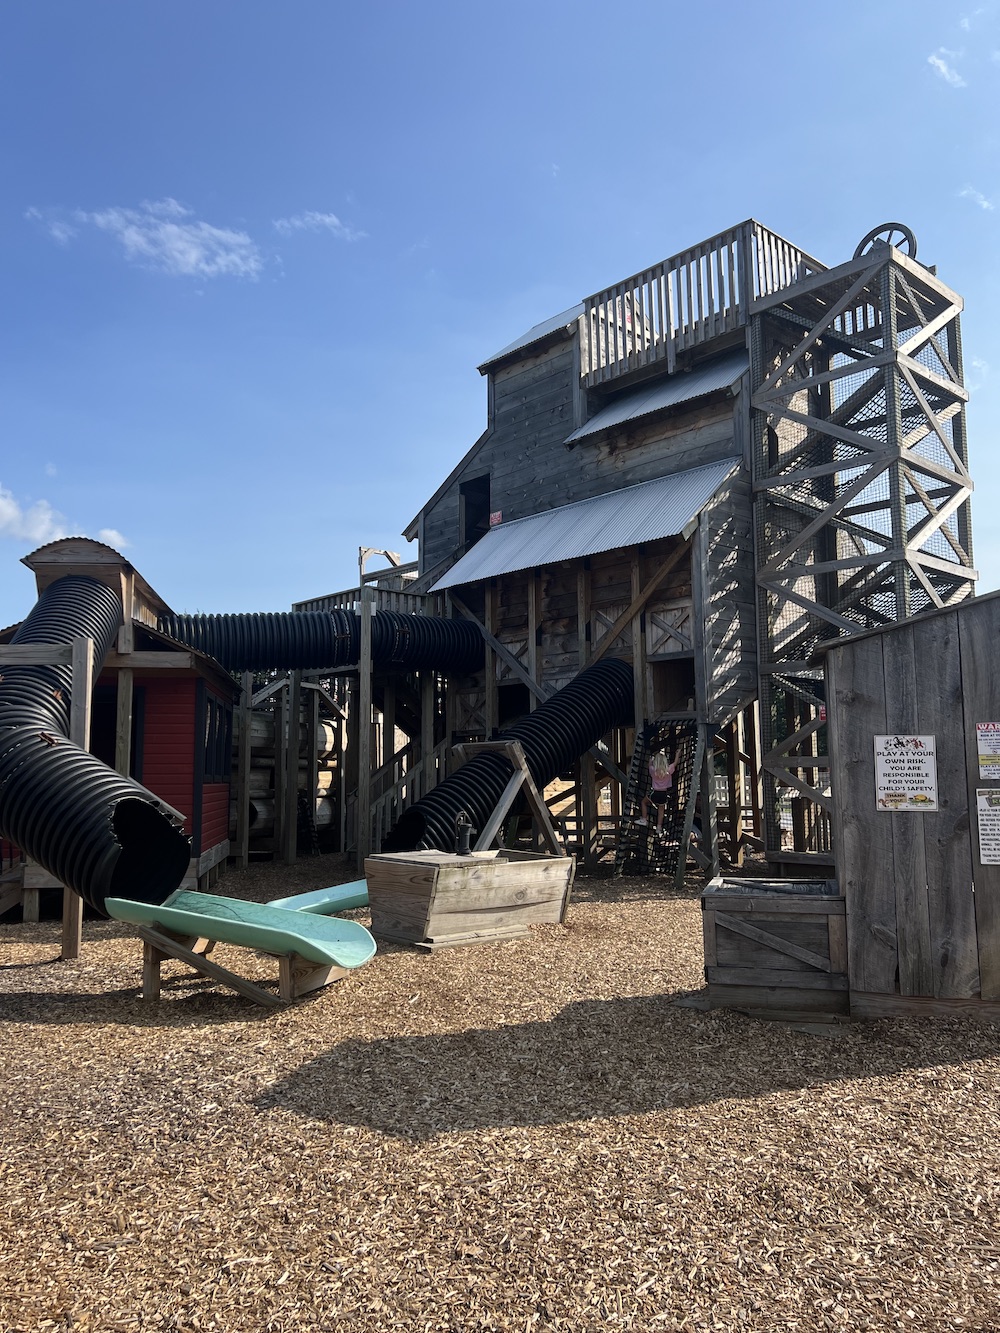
(906, 773)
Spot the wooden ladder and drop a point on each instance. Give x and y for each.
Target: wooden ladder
(639, 850)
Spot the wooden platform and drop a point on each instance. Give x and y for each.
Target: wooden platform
(439, 900)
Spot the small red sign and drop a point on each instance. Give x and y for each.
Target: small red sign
(822, 712)
(496, 517)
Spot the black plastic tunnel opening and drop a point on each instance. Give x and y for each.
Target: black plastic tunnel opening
(97, 832)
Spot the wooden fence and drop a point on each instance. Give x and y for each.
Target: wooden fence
(918, 857)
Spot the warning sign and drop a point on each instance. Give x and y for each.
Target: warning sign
(906, 773)
(988, 811)
(988, 749)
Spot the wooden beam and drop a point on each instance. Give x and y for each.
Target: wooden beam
(640, 702)
(290, 823)
(81, 708)
(150, 661)
(640, 599)
(161, 947)
(541, 692)
(534, 621)
(490, 664)
(36, 654)
(365, 728)
(123, 722)
(521, 777)
(243, 754)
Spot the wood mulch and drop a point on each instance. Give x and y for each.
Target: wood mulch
(524, 1136)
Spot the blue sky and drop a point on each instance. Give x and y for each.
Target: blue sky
(253, 252)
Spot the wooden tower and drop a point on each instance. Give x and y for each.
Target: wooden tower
(861, 490)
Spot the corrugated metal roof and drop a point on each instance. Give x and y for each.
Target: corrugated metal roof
(635, 514)
(721, 373)
(536, 334)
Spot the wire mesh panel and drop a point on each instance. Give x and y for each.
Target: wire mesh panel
(862, 491)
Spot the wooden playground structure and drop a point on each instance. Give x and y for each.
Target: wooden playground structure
(711, 471)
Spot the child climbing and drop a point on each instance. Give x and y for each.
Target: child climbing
(661, 779)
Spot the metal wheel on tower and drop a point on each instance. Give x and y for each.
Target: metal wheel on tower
(891, 233)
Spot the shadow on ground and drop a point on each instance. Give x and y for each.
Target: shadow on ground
(598, 1059)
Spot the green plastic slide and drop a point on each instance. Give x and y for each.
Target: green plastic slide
(275, 930)
(324, 902)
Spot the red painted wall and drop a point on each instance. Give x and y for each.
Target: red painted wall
(215, 814)
(168, 758)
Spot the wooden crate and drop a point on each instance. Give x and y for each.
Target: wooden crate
(776, 948)
(437, 899)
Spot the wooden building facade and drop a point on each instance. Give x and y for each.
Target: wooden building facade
(835, 397)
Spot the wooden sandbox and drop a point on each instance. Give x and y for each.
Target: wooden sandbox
(439, 899)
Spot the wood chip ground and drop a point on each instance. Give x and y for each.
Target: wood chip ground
(525, 1136)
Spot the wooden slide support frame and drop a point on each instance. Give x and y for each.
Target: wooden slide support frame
(521, 777)
(296, 975)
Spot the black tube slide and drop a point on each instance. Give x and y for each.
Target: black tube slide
(284, 640)
(99, 833)
(103, 836)
(556, 733)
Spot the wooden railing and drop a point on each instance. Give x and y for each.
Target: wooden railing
(399, 791)
(689, 299)
(383, 599)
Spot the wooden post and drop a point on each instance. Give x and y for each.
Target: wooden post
(126, 632)
(123, 722)
(734, 788)
(280, 767)
(365, 728)
(290, 823)
(243, 757)
(312, 749)
(346, 751)
(638, 648)
(588, 769)
(534, 599)
(81, 705)
(388, 723)
(426, 728)
(709, 821)
(490, 663)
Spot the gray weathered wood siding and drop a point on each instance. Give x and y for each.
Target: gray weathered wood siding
(531, 414)
(923, 912)
(534, 406)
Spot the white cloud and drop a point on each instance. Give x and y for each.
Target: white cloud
(940, 65)
(112, 537)
(167, 236)
(311, 221)
(967, 20)
(50, 469)
(58, 229)
(977, 197)
(977, 374)
(38, 523)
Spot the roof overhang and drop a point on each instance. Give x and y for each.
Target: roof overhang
(720, 375)
(666, 507)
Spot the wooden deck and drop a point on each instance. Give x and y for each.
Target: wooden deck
(700, 294)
